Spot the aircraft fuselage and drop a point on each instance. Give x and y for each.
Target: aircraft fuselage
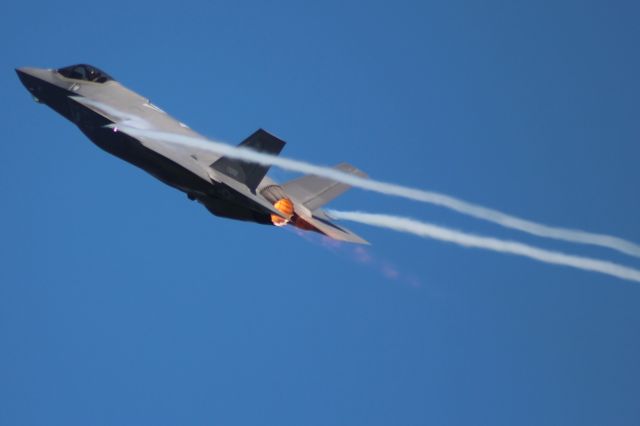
(113, 103)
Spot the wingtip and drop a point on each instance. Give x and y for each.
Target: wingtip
(351, 169)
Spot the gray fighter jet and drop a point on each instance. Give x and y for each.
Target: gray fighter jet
(227, 187)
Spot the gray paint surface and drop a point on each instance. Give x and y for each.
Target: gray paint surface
(229, 188)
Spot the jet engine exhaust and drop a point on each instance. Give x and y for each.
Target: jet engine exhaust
(285, 206)
(276, 196)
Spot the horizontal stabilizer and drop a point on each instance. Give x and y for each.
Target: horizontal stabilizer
(320, 221)
(250, 174)
(314, 192)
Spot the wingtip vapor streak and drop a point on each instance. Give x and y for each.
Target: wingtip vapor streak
(227, 187)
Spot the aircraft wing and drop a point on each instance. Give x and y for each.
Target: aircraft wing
(244, 190)
(189, 158)
(189, 161)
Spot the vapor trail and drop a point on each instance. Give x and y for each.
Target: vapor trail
(427, 230)
(464, 207)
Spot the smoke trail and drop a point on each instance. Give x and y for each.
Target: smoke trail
(428, 230)
(503, 219)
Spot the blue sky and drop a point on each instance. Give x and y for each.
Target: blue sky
(121, 302)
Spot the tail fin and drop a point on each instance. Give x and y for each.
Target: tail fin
(250, 174)
(314, 192)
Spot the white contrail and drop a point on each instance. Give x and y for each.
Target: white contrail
(513, 222)
(428, 230)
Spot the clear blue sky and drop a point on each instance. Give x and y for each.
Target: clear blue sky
(122, 303)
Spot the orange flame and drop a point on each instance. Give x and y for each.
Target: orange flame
(285, 206)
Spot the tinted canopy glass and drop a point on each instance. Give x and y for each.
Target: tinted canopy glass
(86, 73)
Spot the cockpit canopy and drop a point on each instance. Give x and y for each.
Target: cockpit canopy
(86, 73)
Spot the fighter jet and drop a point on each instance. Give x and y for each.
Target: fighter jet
(101, 107)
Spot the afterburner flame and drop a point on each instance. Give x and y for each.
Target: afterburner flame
(285, 206)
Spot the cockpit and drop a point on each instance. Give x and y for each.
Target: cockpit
(86, 73)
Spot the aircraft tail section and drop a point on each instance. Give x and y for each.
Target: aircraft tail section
(318, 221)
(250, 174)
(309, 193)
(314, 192)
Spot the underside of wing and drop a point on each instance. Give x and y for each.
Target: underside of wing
(258, 202)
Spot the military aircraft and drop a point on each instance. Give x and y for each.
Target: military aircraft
(231, 188)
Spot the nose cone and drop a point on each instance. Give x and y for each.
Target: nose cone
(28, 72)
(29, 77)
(23, 70)
(34, 78)
(23, 74)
